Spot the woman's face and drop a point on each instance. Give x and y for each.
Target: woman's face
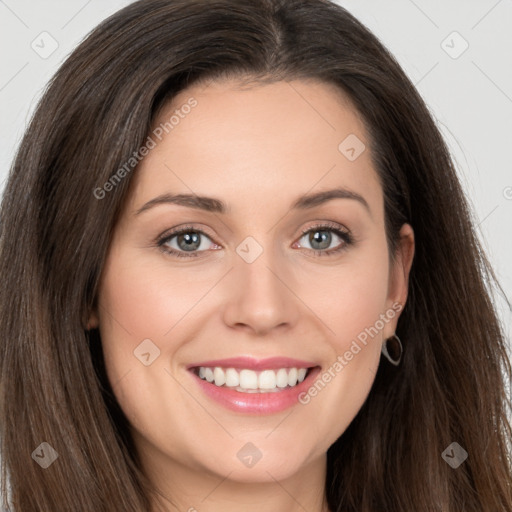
(246, 282)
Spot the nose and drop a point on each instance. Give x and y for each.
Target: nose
(260, 296)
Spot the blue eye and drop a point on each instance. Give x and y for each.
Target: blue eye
(325, 239)
(188, 241)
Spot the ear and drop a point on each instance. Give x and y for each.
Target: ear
(93, 322)
(399, 277)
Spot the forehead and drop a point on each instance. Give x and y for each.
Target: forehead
(257, 144)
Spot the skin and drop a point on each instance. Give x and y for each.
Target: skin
(257, 149)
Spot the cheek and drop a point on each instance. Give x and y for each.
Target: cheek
(360, 299)
(141, 299)
(139, 303)
(352, 296)
(353, 303)
(144, 297)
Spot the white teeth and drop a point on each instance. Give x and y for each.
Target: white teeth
(219, 376)
(232, 378)
(282, 378)
(267, 379)
(208, 374)
(249, 381)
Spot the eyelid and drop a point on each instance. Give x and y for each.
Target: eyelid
(335, 226)
(184, 228)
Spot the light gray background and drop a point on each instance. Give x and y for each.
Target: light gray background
(470, 94)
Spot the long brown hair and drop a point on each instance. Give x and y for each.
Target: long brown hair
(55, 233)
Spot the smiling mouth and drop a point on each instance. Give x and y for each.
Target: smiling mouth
(250, 381)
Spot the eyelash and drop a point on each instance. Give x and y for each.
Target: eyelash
(346, 236)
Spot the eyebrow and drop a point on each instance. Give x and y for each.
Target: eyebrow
(211, 204)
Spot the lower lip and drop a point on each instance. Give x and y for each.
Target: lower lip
(256, 403)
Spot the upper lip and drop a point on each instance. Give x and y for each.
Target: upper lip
(251, 363)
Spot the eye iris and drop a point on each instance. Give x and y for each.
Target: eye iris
(192, 241)
(321, 239)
